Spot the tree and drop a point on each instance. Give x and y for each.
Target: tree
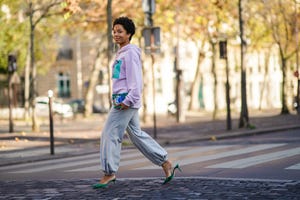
(36, 12)
(109, 40)
(12, 34)
(244, 118)
(261, 42)
(197, 78)
(281, 21)
(19, 38)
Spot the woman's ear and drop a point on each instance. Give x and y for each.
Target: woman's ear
(129, 36)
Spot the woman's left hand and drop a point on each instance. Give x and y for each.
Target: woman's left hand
(123, 106)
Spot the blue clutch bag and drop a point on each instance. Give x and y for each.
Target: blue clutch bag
(117, 99)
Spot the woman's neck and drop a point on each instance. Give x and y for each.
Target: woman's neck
(124, 44)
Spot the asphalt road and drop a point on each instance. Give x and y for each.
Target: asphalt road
(270, 156)
(254, 167)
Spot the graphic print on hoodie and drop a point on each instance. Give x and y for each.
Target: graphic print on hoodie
(117, 69)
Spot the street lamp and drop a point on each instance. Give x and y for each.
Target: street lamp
(152, 45)
(149, 10)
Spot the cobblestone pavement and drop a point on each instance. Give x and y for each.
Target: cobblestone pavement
(152, 188)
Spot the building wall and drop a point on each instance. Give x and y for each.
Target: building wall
(263, 87)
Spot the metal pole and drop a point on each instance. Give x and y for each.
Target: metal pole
(149, 9)
(11, 124)
(153, 96)
(153, 83)
(228, 95)
(50, 95)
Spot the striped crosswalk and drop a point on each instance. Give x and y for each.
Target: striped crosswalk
(235, 152)
(210, 157)
(255, 160)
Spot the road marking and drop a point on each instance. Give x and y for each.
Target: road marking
(50, 162)
(221, 155)
(183, 155)
(179, 153)
(68, 162)
(255, 160)
(34, 152)
(297, 166)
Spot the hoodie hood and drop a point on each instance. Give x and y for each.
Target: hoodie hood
(129, 46)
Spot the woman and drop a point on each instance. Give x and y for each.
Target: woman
(127, 91)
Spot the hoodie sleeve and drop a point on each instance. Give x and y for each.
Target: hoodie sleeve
(133, 77)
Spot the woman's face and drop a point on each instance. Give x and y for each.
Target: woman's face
(120, 35)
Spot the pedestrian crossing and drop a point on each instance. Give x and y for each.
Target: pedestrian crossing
(255, 160)
(210, 157)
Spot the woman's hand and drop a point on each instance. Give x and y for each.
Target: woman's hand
(123, 106)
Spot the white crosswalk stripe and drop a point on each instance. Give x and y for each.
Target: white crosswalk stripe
(182, 152)
(296, 166)
(65, 164)
(50, 162)
(223, 154)
(211, 156)
(255, 160)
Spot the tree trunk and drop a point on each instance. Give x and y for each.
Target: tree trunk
(79, 66)
(35, 123)
(109, 46)
(213, 71)
(196, 82)
(244, 119)
(284, 108)
(145, 71)
(89, 98)
(266, 71)
(27, 85)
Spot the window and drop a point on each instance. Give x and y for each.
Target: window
(63, 84)
(65, 51)
(65, 54)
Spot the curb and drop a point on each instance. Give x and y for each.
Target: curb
(231, 135)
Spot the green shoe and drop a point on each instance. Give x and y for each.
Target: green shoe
(103, 185)
(168, 179)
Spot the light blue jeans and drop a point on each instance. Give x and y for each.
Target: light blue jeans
(112, 135)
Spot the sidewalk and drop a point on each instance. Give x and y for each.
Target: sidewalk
(81, 136)
(152, 188)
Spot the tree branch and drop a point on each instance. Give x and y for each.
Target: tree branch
(45, 10)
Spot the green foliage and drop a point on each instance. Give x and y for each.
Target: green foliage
(12, 34)
(251, 126)
(193, 18)
(15, 33)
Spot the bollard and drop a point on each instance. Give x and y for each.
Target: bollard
(50, 96)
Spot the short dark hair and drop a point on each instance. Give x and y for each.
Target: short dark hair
(127, 23)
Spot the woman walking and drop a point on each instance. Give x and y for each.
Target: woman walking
(127, 91)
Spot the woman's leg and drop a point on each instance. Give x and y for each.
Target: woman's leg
(111, 139)
(146, 144)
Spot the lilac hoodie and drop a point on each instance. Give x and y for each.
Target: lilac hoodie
(127, 75)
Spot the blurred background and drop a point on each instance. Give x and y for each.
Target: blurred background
(198, 55)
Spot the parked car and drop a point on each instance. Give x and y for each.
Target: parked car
(78, 106)
(60, 108)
